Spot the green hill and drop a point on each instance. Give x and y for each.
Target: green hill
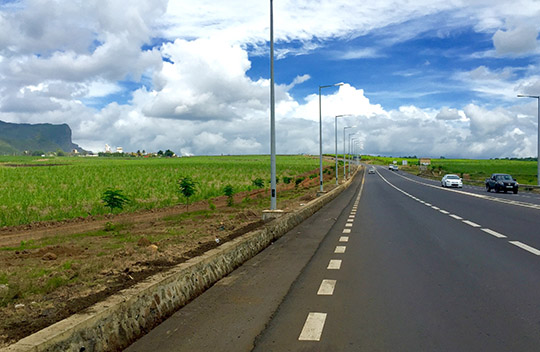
(17, 138)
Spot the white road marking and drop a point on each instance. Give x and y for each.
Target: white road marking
(344, 239)
(526, 247)
(348, 224)
(350, 220)
(340, 249)
(494, 233)
(434, 207)
(444, 212)
(428, 204)
(313, 327)
(335, 264)
(470, 223)
(327, 288)
(346, 230)
(456, 217)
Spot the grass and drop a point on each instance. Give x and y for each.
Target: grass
(70, 187)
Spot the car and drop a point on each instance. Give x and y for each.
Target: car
(371, 170)
(502, 182)
(451, 180)
(393, 167)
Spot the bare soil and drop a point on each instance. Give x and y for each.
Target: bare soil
(51, 270)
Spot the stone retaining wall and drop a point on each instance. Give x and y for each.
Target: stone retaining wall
(118, 321)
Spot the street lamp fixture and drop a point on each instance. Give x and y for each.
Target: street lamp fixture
(537, 97)
(335, 125)
(320, 133)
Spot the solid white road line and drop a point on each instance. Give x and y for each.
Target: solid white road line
(344, 239)
(313, 327)
(327, 288)
(456, 217)
(335, 264)
(526, 247)
(340, 249)
(346, 230)
(494, 233)
(470, 223)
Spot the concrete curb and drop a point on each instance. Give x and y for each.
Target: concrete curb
(118, 321)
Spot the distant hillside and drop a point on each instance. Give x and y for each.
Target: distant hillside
(17, 138)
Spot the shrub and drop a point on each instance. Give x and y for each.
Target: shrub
(258, 182)
(298, 181)
(187, 187)
(114, 199)
(287, 179)
(229, 192)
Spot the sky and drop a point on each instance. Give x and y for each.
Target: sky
(428, 78)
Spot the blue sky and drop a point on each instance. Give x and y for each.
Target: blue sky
(433, 78)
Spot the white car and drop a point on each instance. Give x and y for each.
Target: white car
(393, 167)
(451, 180)
(371, 170)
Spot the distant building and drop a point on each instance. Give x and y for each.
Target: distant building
(107, 148)
(119, 150)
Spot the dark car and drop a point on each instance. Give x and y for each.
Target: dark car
(502, 182)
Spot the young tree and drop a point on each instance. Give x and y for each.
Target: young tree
(187, 187)
(168, 153)
(114, 199)
(229, 192)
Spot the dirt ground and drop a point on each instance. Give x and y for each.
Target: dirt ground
(51, 270)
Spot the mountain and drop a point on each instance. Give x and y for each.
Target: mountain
(17, 138)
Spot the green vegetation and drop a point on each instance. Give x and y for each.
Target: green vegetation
(229, 192)
(187, 188)
(67, 187)
(114, 199)
(522, 170)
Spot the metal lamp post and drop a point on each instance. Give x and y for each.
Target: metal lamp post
(320, 133)
(335, 125)
(538, 133)
(344, 151)
(349, 154)
(273, 200)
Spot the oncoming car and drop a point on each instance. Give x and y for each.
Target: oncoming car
(371, 170)
(451, 180)
(393, 167)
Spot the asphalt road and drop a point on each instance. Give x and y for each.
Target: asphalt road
(396, 263)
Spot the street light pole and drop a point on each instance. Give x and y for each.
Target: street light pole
(344, 151)
(537, 97)
(273, 200)
(320, 134)
(335, 125)
(349, 154)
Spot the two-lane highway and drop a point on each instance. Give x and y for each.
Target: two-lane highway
(424, 269)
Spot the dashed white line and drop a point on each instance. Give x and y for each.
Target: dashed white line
(350, 220)
(494, 233)
(346, 230)
(444, 211)
(313, 327)
(456, 217)
(434, 207)
(327, 288)
(470, 223)
(525, 247)
(340, 249)
(344, 239)
(348, 224)
(335, 264)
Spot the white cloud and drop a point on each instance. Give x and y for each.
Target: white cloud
(518, 40)
(58, 56)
